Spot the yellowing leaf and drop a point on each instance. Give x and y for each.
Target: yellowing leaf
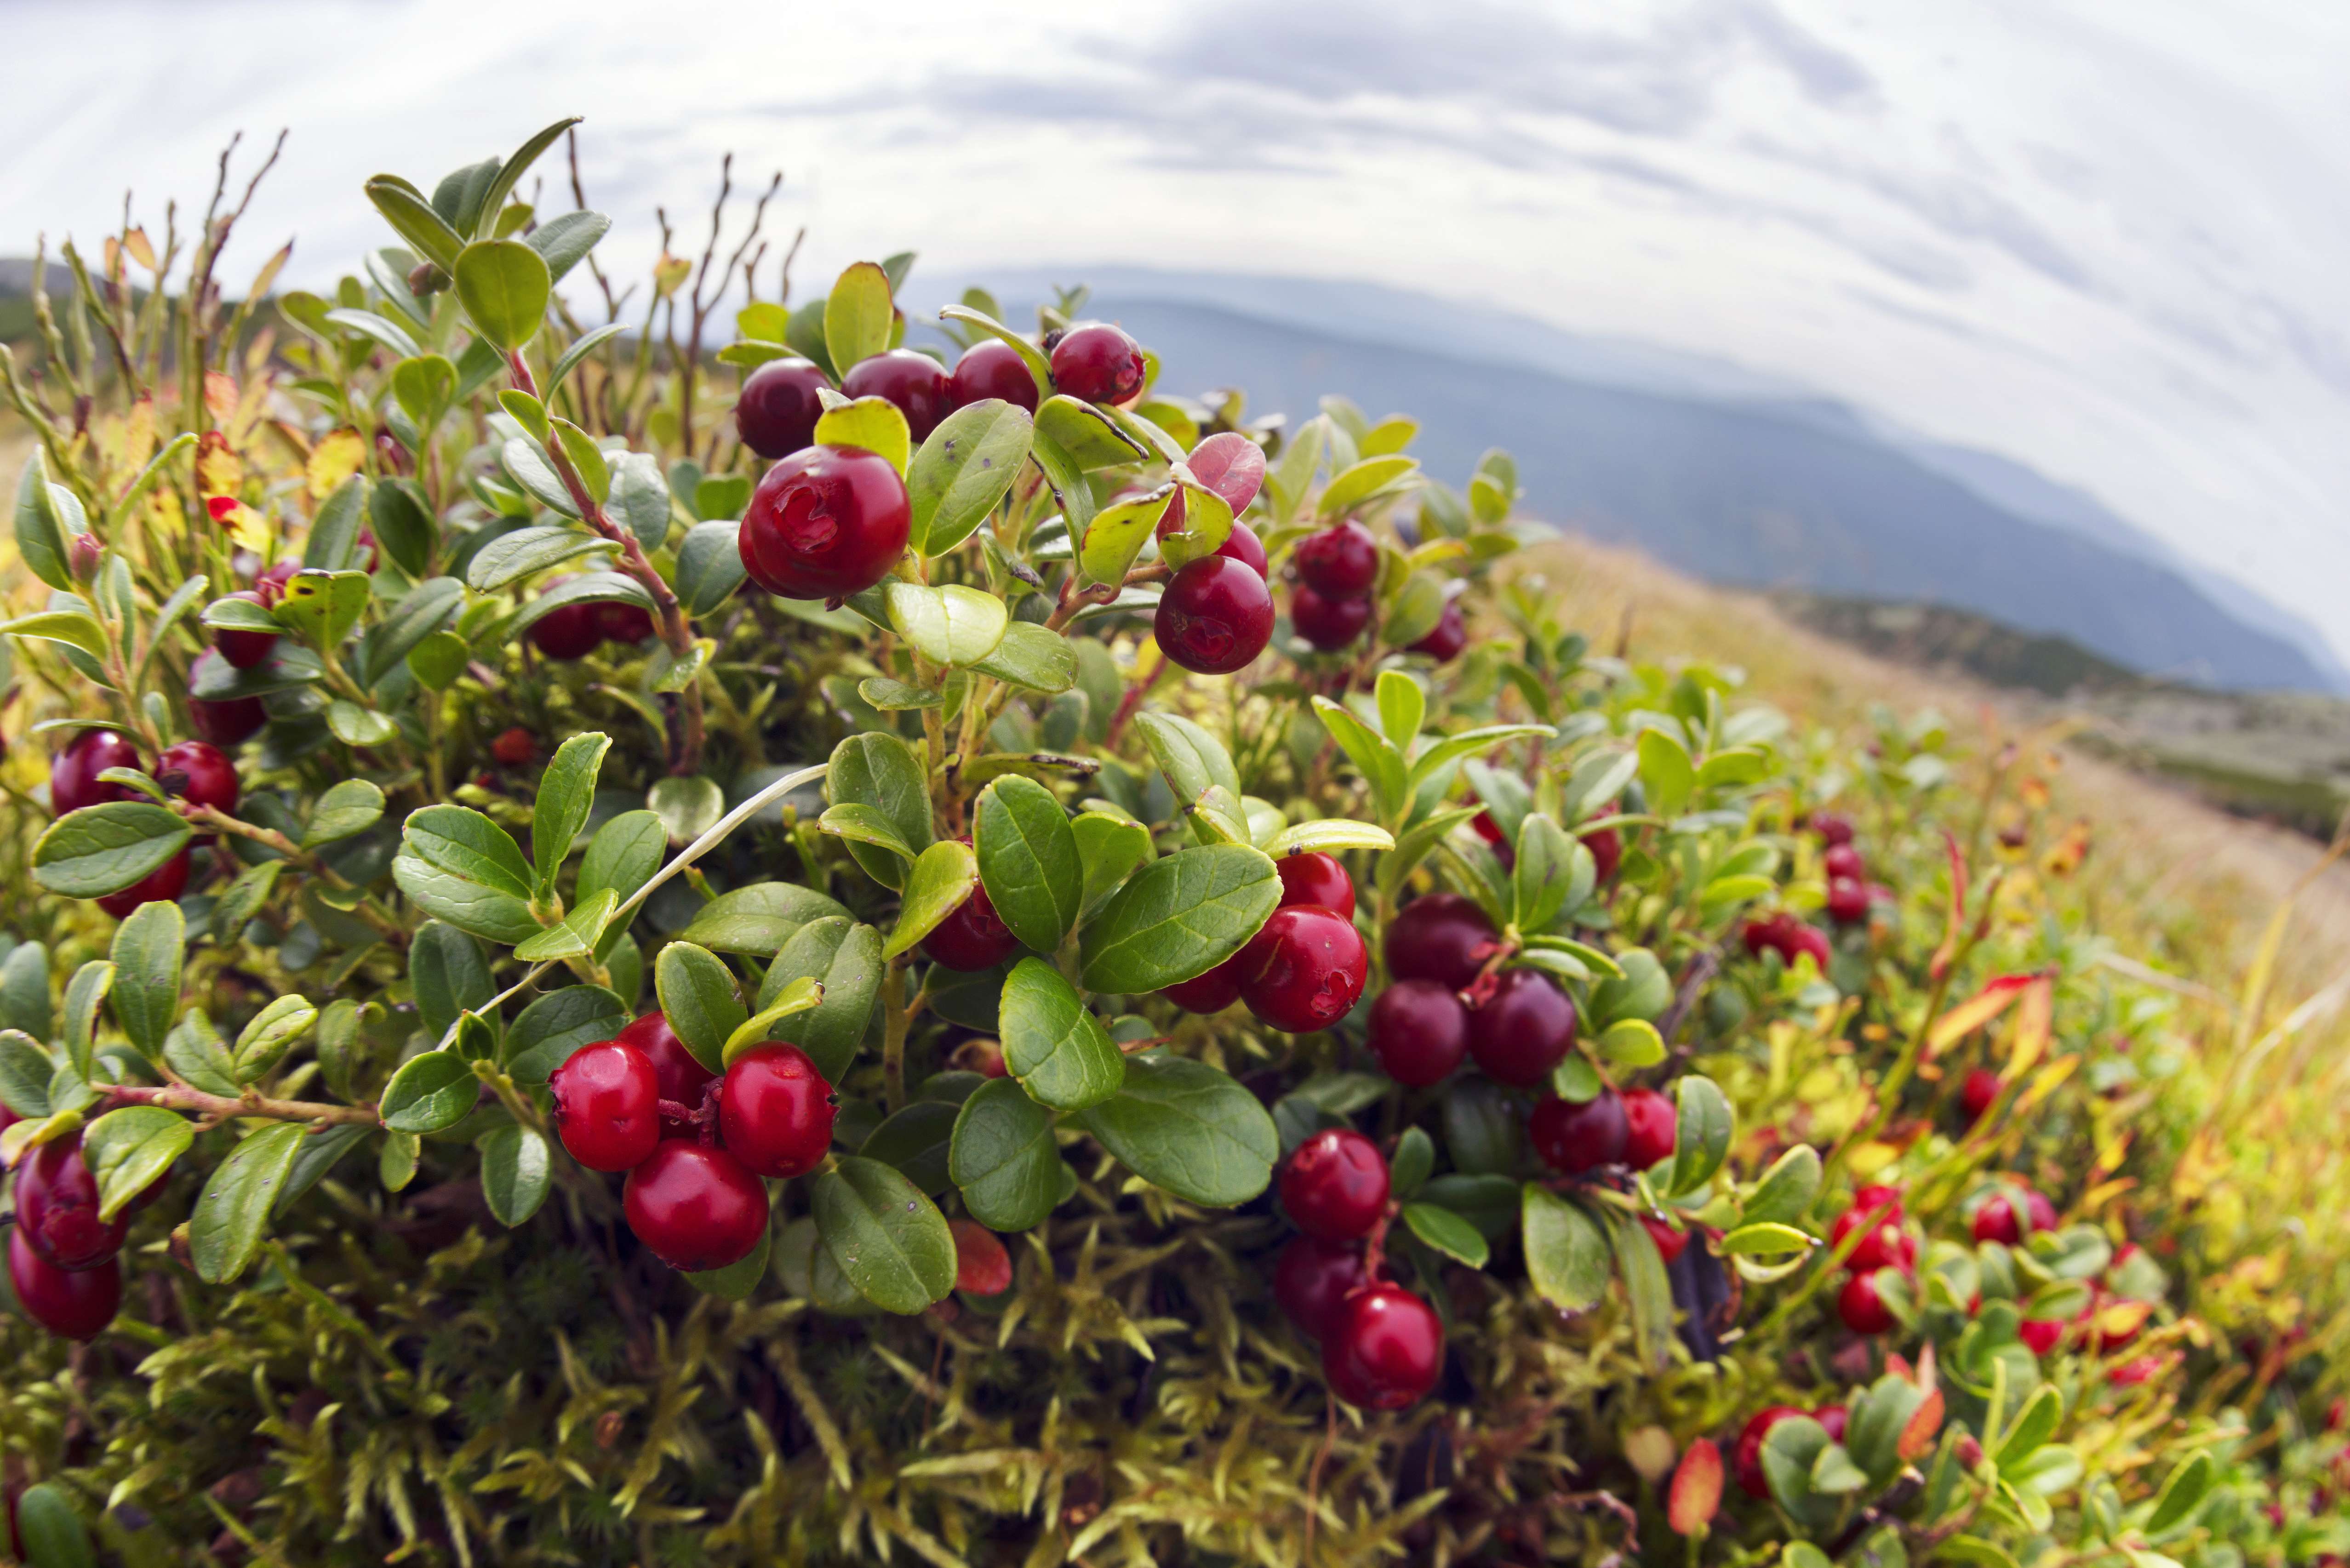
(219, 470)
(1975, 1011)
(220, 397)
(333, 460)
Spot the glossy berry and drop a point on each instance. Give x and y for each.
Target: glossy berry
(991, 369)
(74, 783)
(1335, 1185)
(982, 1266)
(1980, 1092)
(1329, 624)
(972, 936)
(1671, 1242)
(161, 885)
(1097, 363)
(623, 623)
(1308, 878)
(568, 631)
(606, 1105)
(514, 747)
(824, 523)
(681, 1076)
(1996, 1220)
(1211, 992)
(1886, 1245)
(1440, 937)
(1215, 617)
(775, 1112)
(1844, 860)
(246, 649)
(1847, 901)
(1305, 969)
(56, 1208)
(1650, 1125)
(908, 378)
(1862, 1306)
(1386, 1350)
(1523, 1030)
(2041, 1336)
(224, 721)
(1879, 1196)
(1834, 827)
(1607, 846)
(1486, 828)
(1789, 938)
(69, 1305)
(1746, 1457)
(1340, 562)
(199, 773)
(1419, 1031)
(1573, 1139)
(696, 1206)
(1834, 1419)
(777, 412)
(1312, 1280)
(1448, 639)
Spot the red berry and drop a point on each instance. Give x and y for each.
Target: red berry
(1241, 544)
(199, 773)
(226, 722)
(775, 412)
(1746, 1458)
(1801, 939)
(775, 1112)
(981, 1265)
(568, 631)
(1329, 624)
(1670, 1241)
(56, 1208)
(1486, 828)
(1340, 562)
(1305, 969)
(1385, 1351)
(1215, 617)
(1885, 1246)
(825, 523)
(1525, 1029)
(1210, 992)
(1862, 1306)
(681, 1076)
(695, 1206)
(74, 784)
(2041, 1336)
(69, 1305)
(908, 378)
(1232, 466)
(1879, 1196)
(1835, 1418)
(2131, 1374)
(514, 748)
(161, 885)
(621, 622)
(1312, 1280)
(1449, 637)
(991, 369)
(1834, 827)
(1097, 363)
(972, 936)
(1762, 936)
(1844, 860)
(1335, 1185)
(1607, 846)
(246, 649)
(1573, 1139)
(1980, 1089)
(1651, 1127)
(1847, 901)
(1441, 937)
(1308, 878)
(1419, 1031)
(607, 1105)
(1996, 1220)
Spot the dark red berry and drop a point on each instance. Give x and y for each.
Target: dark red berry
(568, 631)
(1215, 617)
(1097, 363)
(1309, 878)
(1996, 1220)
(825, 523)
(1573, 1139)
(161, 885)
(992, 369)
(1844, 860)
(1979, 1092)
(1486, 828)
(246, 649)
(1304, 970)
(2041, 1336)
(1834, 827)
(1340, 562)
(514, 748)
(776, 1111)
(1241, 544)
(696, 1206)
(1847, 901)
(607, 1105)
(74, 784)
(226, 722)
(1670, 1241)
(908, 378)
(1329, 624)
(681, 1076)
(1211, 992)
(1885, 1244)
(1335, 1185)
(776, 410)
(1607, 846)
(69, 1303)
(1746, 1458)
(1449, 637)
(621, 622)
(983, 1267)
(1525, 1029)
(1441, 937)
(1385, 1351)
(1835, 1419)
(56, 1208)
(1651, 1126)
(199, 773)
(1862, 1306)
(1232, 466)
(972, 936)
(1419, 1031)
(1312, 1280)
(1878, 1197)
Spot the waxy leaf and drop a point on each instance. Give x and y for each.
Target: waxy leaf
(1028, 860)
(1567, 1255)
(885, 1235)
(882, 771)
(699, 995)
(1183, 1125)
(1052, 1045)
(913, 1142)
(545, 1034)
(954, 625)
(102, 849)
(566, 792)
(964, 468)
(845, 958)
(858, 317)
(758, 919)
(1003, 1157)
(1032, 657)
(225, 1229)
(518, 1167)
(127, 1149)
(148, 947)
(1177, 919)
(428, 1093)
(504, 285)
(941, 878)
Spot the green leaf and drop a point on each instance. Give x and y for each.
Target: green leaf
(1568, 1256)
(1467, 743)
(525, 463)
(964, 468)
(317, 1156)
(465, 844)
(640, 499)
(1639, 990)
(25, 1073)
(845, 958)
(739, 1279)
(1702, 1132)
(1544, 876)
(566, 792)
(1185, 1127)
(1666, 773)
(1326, 835)
(348, 806)
(413, 218)
(1052, 1045)
(1632, 1042)
(1448, 1233)
(430, 1092)
(688, 806)
(1116, 534)
(422, 612)
(698, 993)
(1028, 860)
(865, 824)
(470, 906)
(586, 343)
(576, 935)
(1833, 1473)
(357, 726)
(1038, 366)
(789, 1000)
(873, 424)
(148, 947)
(941, 878)
(526, 552)
(1032, 658)
(709, 567)
(1112, 848)
(1381, 764)
(321, 606)
(127, 1149)
(225, 1229)
(1357, 483)
(758, 919)
(423, 386)
(25, 989)
(1193, 759)
(858, 316)
(71, 628)
(102, 849)
(504, 285)
(1786, 1191)
(1003, 1157)
(564, 240)
(1873, 1432)
(1764, 1240)
(2035, 1425)
(270, 1034)
(545, 1034)
(516, 1170)
(1092, 437)
(1177, 919)
(913, 1142)
(885, 1235)
(952, 625)
(1647, 1290)
(1403, 704)
(381, 328)
(85, 994)
(882, 771)
(49, 517)
(438, 660)
(510, 173)
(623, 856)
(194, 1051)
(2183, 1493)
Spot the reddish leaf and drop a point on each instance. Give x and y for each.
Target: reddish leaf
(1918, 1437)
(1697, 1488)
(981, 1265)
(1976, 1011)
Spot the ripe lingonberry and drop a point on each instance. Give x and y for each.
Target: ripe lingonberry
(1746, 1457)
(1340, 562)
(1789, 938)
(1486, 828)
(1671, 1241)
(1844, 860)
(1573, 1139)
(623, 623)
(777, 412)
(224, 721)
(1847, 901)
(514, 747)
(992, 369)
(1886, 1245)
(2041, 1334)
(983, 1267)
(1978, 1093)
(1862, 1306)
(1386, 1350)
(161, 885)
(56, 1208)
(1607, 846)
(1651, 1126)
(1335, 1185)
(824, 523)
(1210, 992)
(1310, 877)
(1876, 1197)
(680, 1074)
(74, 783)
(1835, 1419)
(1097, 363)
(1441, 937)
(908, 378)
(972, 936)
(695, 1206)
(1304, 970)
(1329, 624)
(1996, 1220)
(607, 1105)
(71, 1304)
(1419, 1031)
(1525, 1029)
(199, 773)
(246, 649)
(567, 631)
(1834, 827)
(1312, 1280)
(1215, 617)
(1446, 640)
(776, 1111)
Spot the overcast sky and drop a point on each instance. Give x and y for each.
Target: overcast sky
(2112, 241)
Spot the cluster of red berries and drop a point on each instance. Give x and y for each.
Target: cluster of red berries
(64, 1261)
(1885, 1244)
(1848, 889)
(1216, 614)
(694, 1144)
(1305, 967)
(1441, 1006)
(576, 630)
(233, 720)
(1382, 1346)
(195, 771)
